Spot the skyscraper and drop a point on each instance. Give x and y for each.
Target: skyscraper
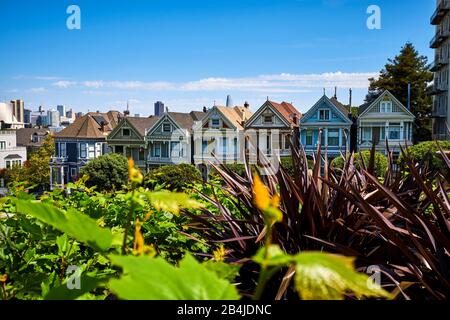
(62, 110)
(27, 116)
(159, 108)
(53, 118)
(18, 109)
(440, 67)
(229, 101)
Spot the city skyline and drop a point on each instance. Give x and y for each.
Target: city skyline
(189, 56)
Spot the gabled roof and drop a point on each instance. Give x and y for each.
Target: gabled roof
(363, 109)
(333, 102)
(236, 115)
(285, 111)
(187, 120)
(90, 126)
(24, 136)
(142, 124)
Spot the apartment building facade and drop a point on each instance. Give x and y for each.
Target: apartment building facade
(440, 67)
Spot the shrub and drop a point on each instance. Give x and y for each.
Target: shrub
(381, 162)
(108, 172)
(173, 177)
(428, 154)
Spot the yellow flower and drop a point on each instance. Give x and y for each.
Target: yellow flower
(261, 194)
(219, 254)
(101, 222)
(3, 278)
(139, 247)
(267, 204)
(133, 173)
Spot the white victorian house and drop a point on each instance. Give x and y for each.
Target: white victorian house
(385, 120)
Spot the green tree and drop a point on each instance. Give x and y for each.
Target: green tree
(380, 162)
(407, 67)
(35, 172)
(108, 172)
(173, 177)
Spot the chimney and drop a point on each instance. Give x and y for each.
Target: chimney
(167, 109)
(205, 109)
(335, 93)
(246, 105)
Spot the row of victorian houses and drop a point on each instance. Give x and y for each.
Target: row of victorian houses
(229, 133)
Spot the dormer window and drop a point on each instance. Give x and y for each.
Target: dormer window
(167, 127)
(215, 123)
(324, 115)
(386, 107)
(268, 119)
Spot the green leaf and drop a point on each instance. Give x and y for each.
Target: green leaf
(148, 278)
(321, 276)
(274, 257)
(62, 292)
(173, 202)
(223, 270)
(72, 222)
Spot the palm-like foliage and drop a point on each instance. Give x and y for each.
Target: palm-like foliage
(399, 223)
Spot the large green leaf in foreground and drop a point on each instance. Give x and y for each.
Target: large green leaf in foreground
(320, 276)
(147, 278)
(75, 224)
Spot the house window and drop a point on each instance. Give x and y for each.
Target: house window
(2, 145)
(268, 119)
(386, 107)
(224, 146)
(118, 149)
(126, 132)
(204, 146)
(394, 132)
(83, 150)
(165, 150)
(157, 149)
(167, 127)
(324, 115)
(91, 151)
(309, 138)
(141, 154)
(268, 144)
(287, 144)
(62, 150)
(73, 172)
(367, 134)
(333, 137)
(175, 149)
(8, 164)
(215, 123)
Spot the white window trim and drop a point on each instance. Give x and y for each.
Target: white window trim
(325, 110)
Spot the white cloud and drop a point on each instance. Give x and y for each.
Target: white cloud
(38, 90)
(274, 83)
(64, 84)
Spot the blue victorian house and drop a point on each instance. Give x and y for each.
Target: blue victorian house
(332, 118)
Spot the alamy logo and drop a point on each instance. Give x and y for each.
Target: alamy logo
(74, 20)
(374, 20)
(74, 280)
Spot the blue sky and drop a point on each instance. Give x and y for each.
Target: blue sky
(190, 53)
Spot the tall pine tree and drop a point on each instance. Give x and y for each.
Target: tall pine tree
(408, 67)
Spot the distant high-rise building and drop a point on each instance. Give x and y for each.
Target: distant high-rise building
(229, 101)
(62, 110)
(18, 109)
(53, 118)
(78, 115)
(27, 116)
(159, 108)
(69, 113)
(42, 121)
(441, 88)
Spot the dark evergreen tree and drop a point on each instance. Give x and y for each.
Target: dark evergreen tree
(408, 67)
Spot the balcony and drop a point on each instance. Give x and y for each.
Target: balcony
(439, 110)
(439, 88)
(438, 63)
(440, 12)
(58, 160)
(439, 38)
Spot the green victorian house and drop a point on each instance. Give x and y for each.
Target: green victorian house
(128, 138)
